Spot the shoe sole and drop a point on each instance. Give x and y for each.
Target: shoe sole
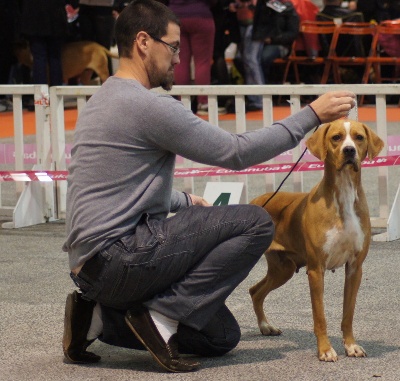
(151, 352)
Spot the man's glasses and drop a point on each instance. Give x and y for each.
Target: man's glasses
(174, 49)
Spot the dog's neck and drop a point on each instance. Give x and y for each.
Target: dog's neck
(343, 192)
(344, 186)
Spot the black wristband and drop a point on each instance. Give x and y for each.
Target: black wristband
(188, 199)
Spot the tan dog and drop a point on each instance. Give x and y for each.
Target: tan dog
(81, 55)
(76, 58)
(323, 230)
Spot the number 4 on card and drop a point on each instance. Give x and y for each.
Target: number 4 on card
(223, 193)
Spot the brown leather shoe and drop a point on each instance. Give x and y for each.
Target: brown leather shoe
(78, 316)
(166, 354)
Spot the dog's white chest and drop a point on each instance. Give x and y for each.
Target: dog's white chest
(346, 238)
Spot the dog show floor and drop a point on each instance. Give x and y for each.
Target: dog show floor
(34, 283)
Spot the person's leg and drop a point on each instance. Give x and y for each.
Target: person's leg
(54, 47)
(86, 22)
(202, 33)
(178, 270)
(252, 65)
(39, 53)
(183, 267)
(230, 240)
(219, 336)
(268, 55)
(252, 58)
(182, 70)
(103, 24)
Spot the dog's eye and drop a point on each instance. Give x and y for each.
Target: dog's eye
(360, 138)
(336, 138)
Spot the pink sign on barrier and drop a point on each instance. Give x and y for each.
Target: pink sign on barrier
(2, 153)
(205, 171)
(7, 153)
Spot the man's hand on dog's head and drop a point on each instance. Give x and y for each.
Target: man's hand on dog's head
(333, 105)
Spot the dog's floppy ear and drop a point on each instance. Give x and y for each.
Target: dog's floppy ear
(316, 144)
(375, 143)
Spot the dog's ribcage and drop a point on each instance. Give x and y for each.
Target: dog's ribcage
(346, 237)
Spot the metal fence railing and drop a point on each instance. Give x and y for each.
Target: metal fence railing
(52, 141)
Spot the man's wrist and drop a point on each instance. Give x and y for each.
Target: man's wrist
(188, 199)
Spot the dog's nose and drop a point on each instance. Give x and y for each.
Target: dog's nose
(349, 151)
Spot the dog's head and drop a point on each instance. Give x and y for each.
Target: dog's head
(344, 142)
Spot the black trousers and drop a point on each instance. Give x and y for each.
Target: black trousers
(219, 336)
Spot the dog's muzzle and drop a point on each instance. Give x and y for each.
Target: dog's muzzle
(349, 157)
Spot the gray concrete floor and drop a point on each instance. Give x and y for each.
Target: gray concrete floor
(34, 282)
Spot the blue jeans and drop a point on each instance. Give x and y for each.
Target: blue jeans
(251, 55)
(268, 55)
(185, 266)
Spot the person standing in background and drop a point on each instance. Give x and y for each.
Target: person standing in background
(197, 42)
(44, 23)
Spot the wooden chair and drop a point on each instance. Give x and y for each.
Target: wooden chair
(321, 32)
(378, 58)
(351, 46)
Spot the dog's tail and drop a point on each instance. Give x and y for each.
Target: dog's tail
(111, 54)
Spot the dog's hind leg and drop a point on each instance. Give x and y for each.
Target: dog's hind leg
(280, 270)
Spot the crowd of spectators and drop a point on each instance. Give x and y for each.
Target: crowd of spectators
(261, 31)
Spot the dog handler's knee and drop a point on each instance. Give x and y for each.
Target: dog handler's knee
(220, 335)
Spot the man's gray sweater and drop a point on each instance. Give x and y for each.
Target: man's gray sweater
(123, 159)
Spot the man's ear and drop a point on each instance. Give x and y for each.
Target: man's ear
(142, 40)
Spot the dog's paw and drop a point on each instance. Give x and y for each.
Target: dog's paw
(328, 356)
(355, 350)
(269, 330)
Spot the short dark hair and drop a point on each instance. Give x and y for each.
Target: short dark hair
(150, 16)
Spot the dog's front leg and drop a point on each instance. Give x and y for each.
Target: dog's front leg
(316, 282)
(351, 286)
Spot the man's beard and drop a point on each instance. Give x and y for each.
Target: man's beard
(158, 79)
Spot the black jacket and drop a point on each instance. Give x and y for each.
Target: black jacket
(44, 18)
(282, 28)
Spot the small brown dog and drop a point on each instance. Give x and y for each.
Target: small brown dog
(323, 230)
(76, 58)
